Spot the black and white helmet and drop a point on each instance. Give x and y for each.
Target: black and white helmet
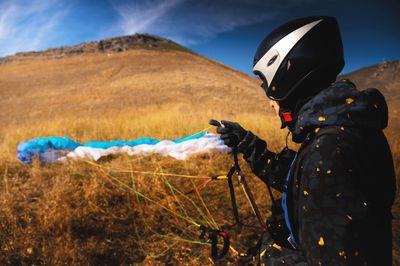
(303, 54)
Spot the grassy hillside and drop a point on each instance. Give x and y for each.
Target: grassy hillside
(385, 76)
(72, 213)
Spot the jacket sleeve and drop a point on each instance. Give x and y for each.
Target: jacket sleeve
(331, 206)
(270, 167)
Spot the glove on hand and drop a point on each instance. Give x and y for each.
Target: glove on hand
(231, 132)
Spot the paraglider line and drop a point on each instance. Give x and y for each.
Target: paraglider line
(147, 198)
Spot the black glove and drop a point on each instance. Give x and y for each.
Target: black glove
(231, 132)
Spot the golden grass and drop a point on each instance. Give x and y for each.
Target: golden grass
(67, 213)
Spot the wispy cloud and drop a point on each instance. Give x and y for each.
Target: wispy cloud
(193, 21)
(139, 15)
(29, 25)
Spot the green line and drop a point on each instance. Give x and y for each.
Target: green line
(166, 182)
(152, 201)
(206, 220)
(144, 172)
(205, 206)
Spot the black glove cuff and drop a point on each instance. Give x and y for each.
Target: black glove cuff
(244, 144)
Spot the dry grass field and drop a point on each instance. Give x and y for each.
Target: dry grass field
(70, 213)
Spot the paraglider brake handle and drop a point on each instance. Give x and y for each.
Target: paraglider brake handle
(213, 236)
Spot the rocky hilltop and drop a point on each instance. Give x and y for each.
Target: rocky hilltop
(109, 46)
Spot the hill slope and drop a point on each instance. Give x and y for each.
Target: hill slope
(384, 76)
(123, 81)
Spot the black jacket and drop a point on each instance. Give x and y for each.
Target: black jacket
(342, 182)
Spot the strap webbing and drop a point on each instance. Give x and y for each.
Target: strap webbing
(284, 205)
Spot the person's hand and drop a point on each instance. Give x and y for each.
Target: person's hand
(231, 132)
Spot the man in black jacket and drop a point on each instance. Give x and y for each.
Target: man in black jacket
(339, 187)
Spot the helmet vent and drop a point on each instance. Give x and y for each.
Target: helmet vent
(272, 60)
(288, 65)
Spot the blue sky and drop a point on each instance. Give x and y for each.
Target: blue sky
(225, 30)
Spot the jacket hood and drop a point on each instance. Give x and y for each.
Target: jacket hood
(343, 105)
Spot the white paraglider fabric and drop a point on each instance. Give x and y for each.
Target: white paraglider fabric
(208, 143)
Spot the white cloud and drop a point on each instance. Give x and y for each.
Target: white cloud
(194, 21)
(29, 25)
(137, 16)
